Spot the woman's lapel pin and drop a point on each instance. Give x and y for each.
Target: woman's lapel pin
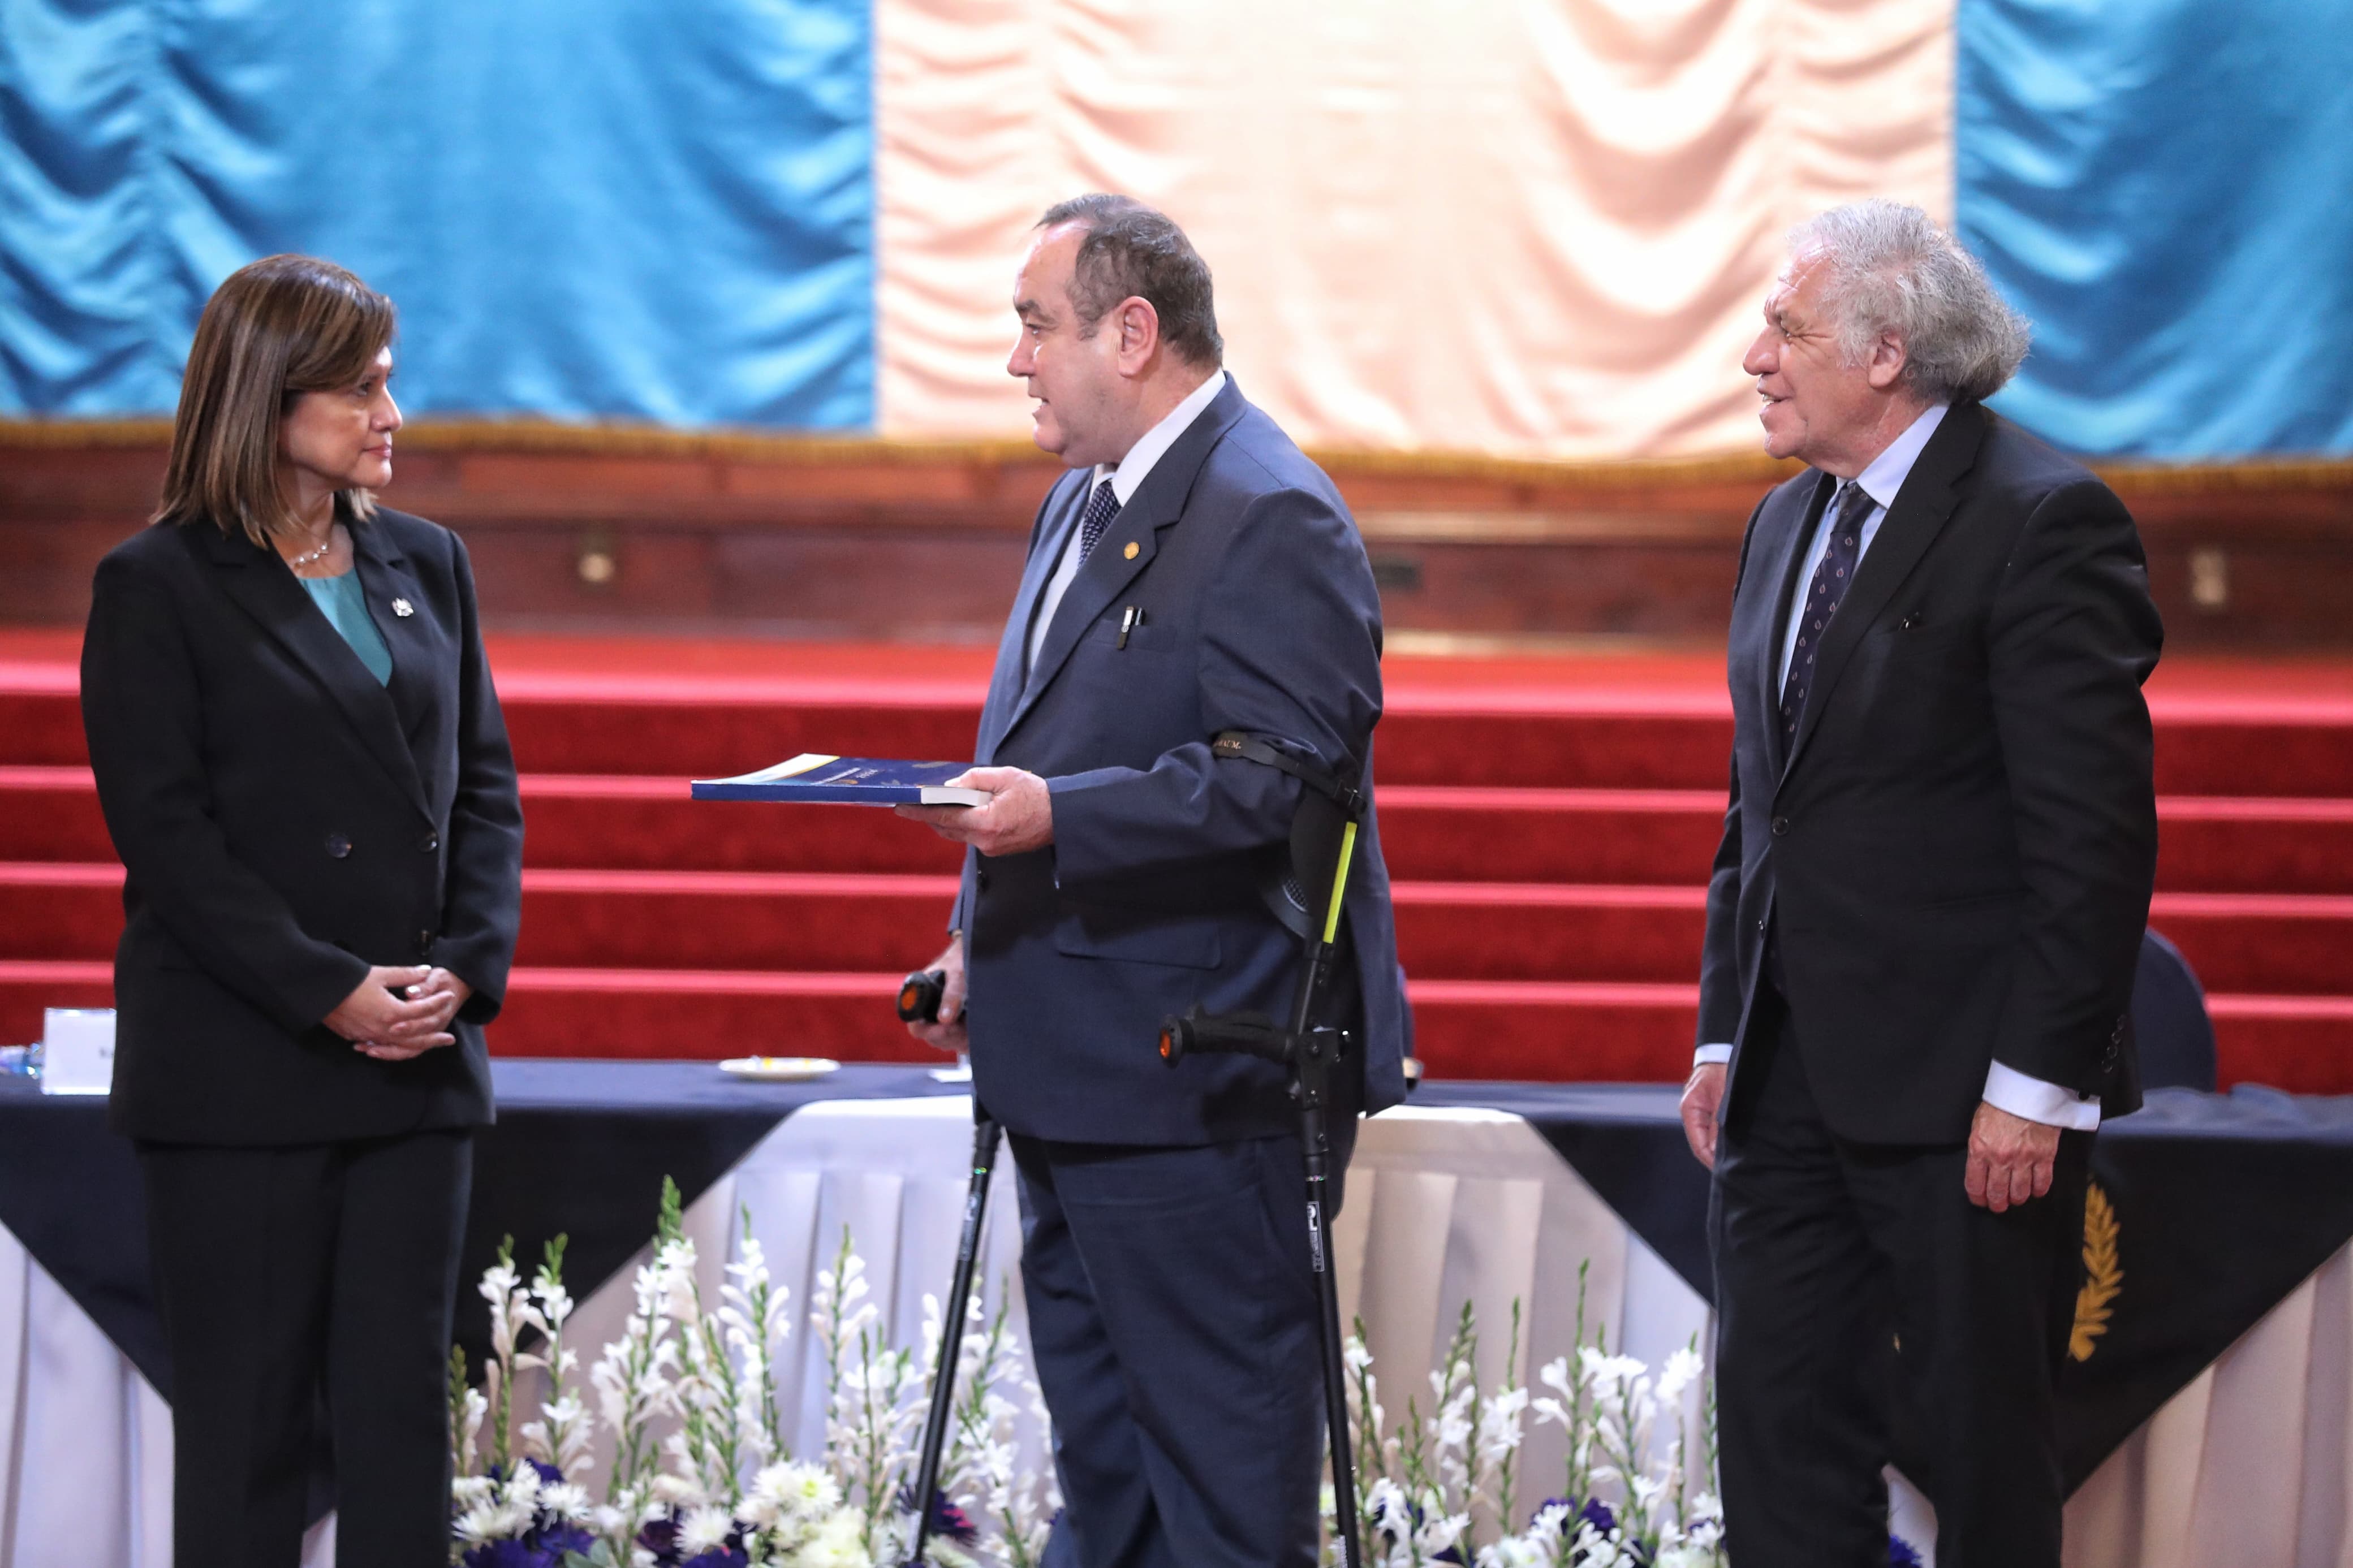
(403, 608)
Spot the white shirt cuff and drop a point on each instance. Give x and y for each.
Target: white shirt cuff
(2008, 1090)
(1717, 1054)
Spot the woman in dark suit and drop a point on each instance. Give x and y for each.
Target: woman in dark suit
(303, 767)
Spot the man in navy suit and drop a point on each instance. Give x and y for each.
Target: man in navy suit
(1193, 573)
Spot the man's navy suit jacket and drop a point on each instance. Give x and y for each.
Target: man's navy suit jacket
(1958, 852)
(1258, 613)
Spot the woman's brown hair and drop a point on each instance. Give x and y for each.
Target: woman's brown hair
(277, 329)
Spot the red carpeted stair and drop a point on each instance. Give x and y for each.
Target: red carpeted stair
(1549, 822)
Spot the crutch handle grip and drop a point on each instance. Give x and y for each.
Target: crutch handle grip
(1194, 1032)
(920, 995)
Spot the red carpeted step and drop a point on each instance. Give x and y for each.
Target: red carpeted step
(732, 919)
(2262, 942)
(1541, 932)
(704, 1015)
(2221, 844)
(40, 720)
(1554, 1032)
(1438, 833)
(2301, 1044)
(716, 728)
(642, 823)
(2247, 745)
(1544, 740)
(51, 813)
(2258, 944)
(28, 986)
(60, 910)
(646, 822)
(664, 919)
(1640, 739)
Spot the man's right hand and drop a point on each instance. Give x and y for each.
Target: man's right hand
(948, 1034)
(1703, 1097)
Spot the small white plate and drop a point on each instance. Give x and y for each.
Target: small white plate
(779, 1069)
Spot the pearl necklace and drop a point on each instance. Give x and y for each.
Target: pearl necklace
(296, 563)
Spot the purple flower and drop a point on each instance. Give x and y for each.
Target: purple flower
(563, 1538)
(947, 1521)
(1902, 1553)
(717, 1557)
(510, 1555)
(1592, 1511)
(660, 1537)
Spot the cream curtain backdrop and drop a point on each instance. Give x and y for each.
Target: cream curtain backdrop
(1527, 227)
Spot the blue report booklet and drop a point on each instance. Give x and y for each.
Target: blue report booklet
(847, 780)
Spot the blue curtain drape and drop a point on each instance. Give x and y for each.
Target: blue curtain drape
(596, 208)
(2166, 186)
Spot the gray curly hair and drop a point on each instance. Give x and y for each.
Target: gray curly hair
(1892, 269)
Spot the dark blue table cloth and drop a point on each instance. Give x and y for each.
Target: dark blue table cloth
(2222, 1204)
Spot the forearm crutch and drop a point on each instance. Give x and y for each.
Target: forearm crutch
(1323, 845)
(919, 1003)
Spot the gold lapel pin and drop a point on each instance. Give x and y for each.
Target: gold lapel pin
(403, 608)
(1132, 550)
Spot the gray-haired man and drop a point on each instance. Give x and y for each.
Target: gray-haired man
(1924, 917)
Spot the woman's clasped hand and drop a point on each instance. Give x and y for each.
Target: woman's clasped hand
(397, 1014)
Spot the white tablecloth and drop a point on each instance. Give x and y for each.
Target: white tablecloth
(2248, 1464)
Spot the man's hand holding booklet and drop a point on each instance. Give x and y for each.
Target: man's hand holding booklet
(813, 777)
(997, 811)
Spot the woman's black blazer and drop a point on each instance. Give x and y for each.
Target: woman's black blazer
(286, 822)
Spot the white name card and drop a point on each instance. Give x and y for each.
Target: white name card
(77, 1050)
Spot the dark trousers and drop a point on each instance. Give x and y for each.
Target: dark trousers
(1172, 1314)
(281, 1271)
(1869, 1314)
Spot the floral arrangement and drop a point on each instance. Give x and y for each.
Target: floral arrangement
(702, 1477)
(1426, 1487)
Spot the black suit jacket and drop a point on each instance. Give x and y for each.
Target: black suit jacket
(1959, 850)
(286, 822)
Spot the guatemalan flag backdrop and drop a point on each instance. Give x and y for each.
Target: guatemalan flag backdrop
(1534, 227)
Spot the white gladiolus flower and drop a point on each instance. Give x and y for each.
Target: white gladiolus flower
(703, 1528)
(795, 1493)
(567, 1502)
(835, 1545)
(1683, 1369)
(1514, 1552)
(478, 1523)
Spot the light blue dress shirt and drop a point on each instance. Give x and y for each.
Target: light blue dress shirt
(344, 604)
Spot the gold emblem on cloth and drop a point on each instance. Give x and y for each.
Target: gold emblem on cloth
(2104, 1277)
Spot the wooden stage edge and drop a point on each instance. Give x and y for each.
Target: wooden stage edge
(606, 528)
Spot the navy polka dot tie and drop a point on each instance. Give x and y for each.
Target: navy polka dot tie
(1102, 507)
(1848, 510)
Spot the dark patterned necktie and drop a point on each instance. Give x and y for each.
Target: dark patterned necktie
(1848, 510)
(1102, 507)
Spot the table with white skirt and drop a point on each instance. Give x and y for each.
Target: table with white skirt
(2251, 1463)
